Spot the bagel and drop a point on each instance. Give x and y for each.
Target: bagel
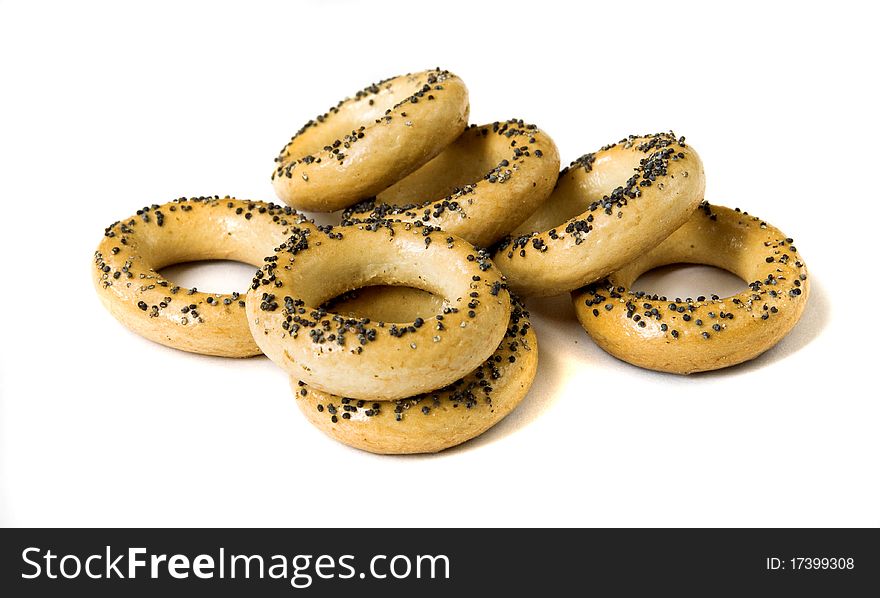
(607, 209)
(359, 358)
(436, 420)
(479, 188)
(686, 336)
(129, 257)
(367, 143)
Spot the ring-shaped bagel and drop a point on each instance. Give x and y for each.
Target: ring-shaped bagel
(133, 251)
(479, 188)
(369, 142)
(607, 209)
(437, 420)
(360, 358)
(686, 336)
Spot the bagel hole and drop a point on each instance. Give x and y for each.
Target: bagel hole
(573, 195)
(211, 276)
(465, 162)
(689, 280)
(386, 303)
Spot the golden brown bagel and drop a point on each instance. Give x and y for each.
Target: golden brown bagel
(436, 420)
(694, 336)
(479, 188)
(359, 358)
(607, 209)
(133, 251)
(367, 143)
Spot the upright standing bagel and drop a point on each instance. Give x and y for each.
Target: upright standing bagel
(129, 257)
(479, 188)
(435, 420)
(686, 336)
(367, 143)
(359, 358)
(607, 209)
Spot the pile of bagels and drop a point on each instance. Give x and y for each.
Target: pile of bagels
(402, 328)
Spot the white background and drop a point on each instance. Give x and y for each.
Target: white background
(106, 107)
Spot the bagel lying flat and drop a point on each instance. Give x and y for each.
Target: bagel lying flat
(437, 420)
(607, 209)
(360, 358)
(686, 336)
(129, 257)
(367, 143)
(479, 188)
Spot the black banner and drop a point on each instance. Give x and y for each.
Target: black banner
(430, 562)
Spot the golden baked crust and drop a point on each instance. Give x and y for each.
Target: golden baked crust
(437, 420)
(607, 209)
(479, 188)
(367, 143)
(686, 336)
(133, 250)
(360, 358)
